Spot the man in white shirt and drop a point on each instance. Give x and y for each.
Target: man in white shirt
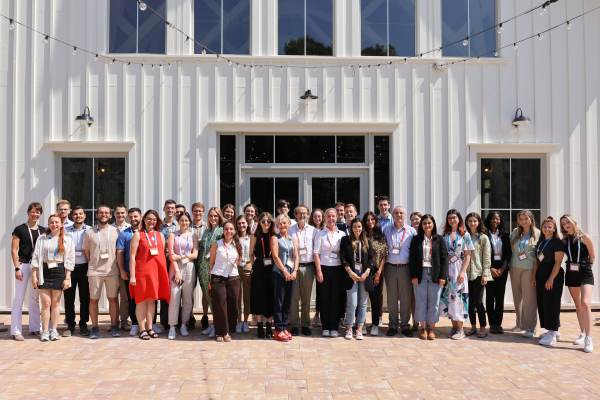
(397, 272)
(305, 277)
(120, 213)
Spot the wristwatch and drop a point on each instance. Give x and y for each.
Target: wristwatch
(17, 269)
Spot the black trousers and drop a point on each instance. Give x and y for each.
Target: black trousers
(476, 307)
(494, 299)
(283, 292)
(225, 292)
(318, 299)
(330, 296)
(375, 303)
(78, 278)
(131, 306)
(343, 301)
(548, 301)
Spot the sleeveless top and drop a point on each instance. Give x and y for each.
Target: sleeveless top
(585, 255)
(180, 244)
(258, 248)
(245, 242)
(286, 250)
(226, 260)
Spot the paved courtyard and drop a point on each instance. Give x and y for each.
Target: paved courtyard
(497, 367)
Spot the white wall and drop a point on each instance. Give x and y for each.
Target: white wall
(166, 120)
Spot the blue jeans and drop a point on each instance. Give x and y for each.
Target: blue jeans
(356, 295)
(427, 299)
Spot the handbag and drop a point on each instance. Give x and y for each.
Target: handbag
(369, 284)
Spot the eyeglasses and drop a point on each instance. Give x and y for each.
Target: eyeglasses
(265, 222)
(150, 220)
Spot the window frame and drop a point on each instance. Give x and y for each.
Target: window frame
(333, 33)
(221, 49)
(416, 42)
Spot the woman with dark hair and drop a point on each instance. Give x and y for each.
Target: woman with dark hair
(455, 299)
(478, 273)
(261, 281)
(379, 244)
(229, 213)
(250, 211)
(212, 233)
(428, 273)
(501, 255)
(548, 280)
(415, 221)
(148, 276)
(225, 281)
(317, 219)
(242, 225)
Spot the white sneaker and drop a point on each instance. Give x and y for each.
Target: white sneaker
(325, 333)
(156, 329)
(556, 333)
(45, 336)
(54, 335)
(212, 333)
(374, 330)
(207, 330)
(333, 334)
(172, 334)
(135, 330)
(254, 321)
(317, 320)
(589, 346)
(364, 330)
(310, 326)
(245, 327)
(359, 335)
(238, 328)
(580, 340)
(516, 329)
(183, 330)
(549, 339)
(348, 334)
(528, 335)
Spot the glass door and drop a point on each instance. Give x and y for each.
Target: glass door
(264, 190)
(329, 188)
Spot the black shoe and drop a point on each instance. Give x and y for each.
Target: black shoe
(305, 331)
(191, 323)
(408, 332)
(499, 329)
(295, 332)
(391, 332)
(493, 329)
(260, 330)
(204, 322)
(83, 329)
(269, 331)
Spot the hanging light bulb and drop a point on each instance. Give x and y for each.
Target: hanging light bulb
(369, 67)
(516, 46)
(238, 65)
(540, 36)
(466, 61)
(466, 42)
(152, 67)
(229, 62)
(218, 57)
(170, 25)
(261, 67)
(128, 64)
(478, 59)
(159, 66)
(495, 53)
(11, 24)
(420, 56)
(281, 67)
(143, 6)
(569, 26)
(96, 57)
(500, 28)
(543, 11)
(246, 67)
(169, 65)
(111, 61)
(390, 64)
(187, 41)
(405, 61)
(142, 66)
(377, 66)
(45, 40)
(204, 51)
(74, 50)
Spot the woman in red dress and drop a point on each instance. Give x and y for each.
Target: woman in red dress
(149, 279)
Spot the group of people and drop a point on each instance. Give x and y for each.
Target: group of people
(264, 266)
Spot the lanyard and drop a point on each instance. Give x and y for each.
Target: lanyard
(262, 240)
(330, 245)
(55, 250)
(211, 238)
(298, 236)
(495, 244)
(578, 250)
(430, 244)
(523, 242)
(359, 253)
(401, 240)
(78, 238)
(548, 241)
(154, 239)
(476, 239)
(188, 244)
(31, 235)
(287, 248)
(227, 253)
(107, 238)
(455, 240)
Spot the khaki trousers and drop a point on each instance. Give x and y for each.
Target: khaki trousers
(123, 301)
(525, 298)
(304, 283)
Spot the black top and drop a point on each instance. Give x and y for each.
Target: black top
(506, 252)
(258, 248)
(585, 254)
(347, 256)
(21, 232)
(439, 259)
(549, 249)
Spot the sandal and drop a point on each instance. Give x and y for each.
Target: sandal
(153, 334)
(471, 332)
(144, 335)
(227, 338)
(481, 334)
(219, 339)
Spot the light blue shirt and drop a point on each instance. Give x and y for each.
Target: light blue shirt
(394, 239)
(385, 221)
(77, 236)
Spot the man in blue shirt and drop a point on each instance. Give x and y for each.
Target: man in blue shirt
(123, 256)
(385, 218)
(397, 272)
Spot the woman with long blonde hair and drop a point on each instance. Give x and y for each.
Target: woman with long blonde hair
(579, 277)
(523, 241)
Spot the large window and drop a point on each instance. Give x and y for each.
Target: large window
(509, 185)
(306, 27)
(222, 26)
(227, 167)
(92, 182)
(382, 167)
(387, 27)
(464, 18)
(134, 31)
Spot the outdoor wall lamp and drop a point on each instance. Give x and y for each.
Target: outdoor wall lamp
(85, 118)
(520, 120)
(308, 96)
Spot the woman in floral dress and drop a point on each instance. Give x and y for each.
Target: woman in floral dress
(454, 303)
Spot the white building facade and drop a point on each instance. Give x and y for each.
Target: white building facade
(200, 129)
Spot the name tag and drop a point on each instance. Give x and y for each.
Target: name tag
(497, 257)
(574, 267)
(453, 258)
(334, 254)
(78, 253)
(184, 260)
(104, 255)
(52, 264)
(357, 266)
(302, 251)
(396, 251)
(541, 257)
(522, 256)
(154, 251)
(426, 264)
(268, 261)
(207, 256)
(289, 263)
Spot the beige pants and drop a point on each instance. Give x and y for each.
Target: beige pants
(183, 294)
(525, 298)
(123, 302)
(244, 294)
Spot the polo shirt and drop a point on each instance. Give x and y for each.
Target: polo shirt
(123, 243)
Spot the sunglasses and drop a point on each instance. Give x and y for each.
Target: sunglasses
(265, 222)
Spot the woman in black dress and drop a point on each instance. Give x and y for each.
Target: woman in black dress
(261, 281)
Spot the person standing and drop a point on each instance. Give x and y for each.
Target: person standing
(53, 259)
(340, 221)
(524, 240)
(454, 303)
(182, 275)
(478, 272)
(148, 279)
(283, 207)
(429, 273)
(199, 226)
(229, 213)
(579, 277)
(261, 281)
(350, 212)
(397, 272)
(380, 252)
(213, 233)
(329, 268)
(385, 218)
(79, 277)
(250, 213)
(225, 281)
(548, 280)
(415, 221)
(179, 209)
(123, 260)
(120, 213)
(100, 248)
(169, 225)
(305, 236)
(245, 270)
(63, 208)
(317, 220)
(24, 238)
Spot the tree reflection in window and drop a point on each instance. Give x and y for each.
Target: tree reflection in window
(387, 28)
(306, 27)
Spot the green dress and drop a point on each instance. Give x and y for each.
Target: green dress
(208, 238)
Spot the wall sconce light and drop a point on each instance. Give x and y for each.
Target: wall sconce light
(520, 120)
(85, 118)
(308, 96)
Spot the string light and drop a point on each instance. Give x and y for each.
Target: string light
(466, 42)
(204, 51)
(261, 67)
(500, 28)
(74, 50)
(515, 46)
(245, 67)
(229, 62)
(540, 36)
(405, 61)
(45, 40)
(218, 57)
(143, 6)
(170, 25)
(169, 65)
(11, 25)
(238, 65)
(420, 56)
(110, 62)
(543, 11)
(96, 57)
(495, 53)
(478, 59)
(569, 26)
(369, 67)
(128, 64)
(152, 67)
(187, 41)
(142, 66)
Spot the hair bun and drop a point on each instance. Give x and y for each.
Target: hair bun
(550, 217)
